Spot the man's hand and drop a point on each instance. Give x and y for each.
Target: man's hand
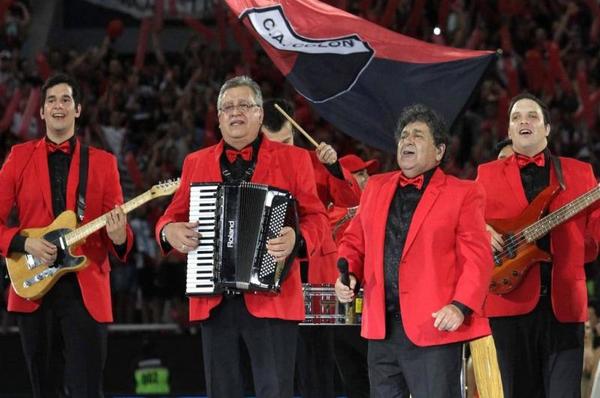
(344, 293)
(282, 246)
(448, 318)
(496, 239)
(326, 153)
(41, 249)
(182, 236)
(116, 222)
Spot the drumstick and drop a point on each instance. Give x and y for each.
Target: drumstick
(297, 126)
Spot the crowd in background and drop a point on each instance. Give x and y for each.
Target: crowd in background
(151, 115)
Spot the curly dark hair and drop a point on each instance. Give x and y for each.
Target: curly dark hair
(422, 113)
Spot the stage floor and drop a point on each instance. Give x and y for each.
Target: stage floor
(180, 351)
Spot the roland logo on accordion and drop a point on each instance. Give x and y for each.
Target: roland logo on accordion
(231, 234)
(235, 222)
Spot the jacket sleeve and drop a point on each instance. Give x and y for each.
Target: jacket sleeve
(473, 251)
(113, 196)
(178, 209)
(313, 219)
(8, 195)
(352, 244)
(342, 192)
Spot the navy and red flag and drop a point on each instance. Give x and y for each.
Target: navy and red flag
(356, 74)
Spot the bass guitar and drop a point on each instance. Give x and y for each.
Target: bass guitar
(31, 278)
(519, 251)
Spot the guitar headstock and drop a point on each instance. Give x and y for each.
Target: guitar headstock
(165, 188)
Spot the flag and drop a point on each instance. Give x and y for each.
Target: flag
(356, 74)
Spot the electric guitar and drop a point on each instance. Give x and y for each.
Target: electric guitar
(519, 251)
(32, 278)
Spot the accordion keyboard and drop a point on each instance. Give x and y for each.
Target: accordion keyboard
(201, 262)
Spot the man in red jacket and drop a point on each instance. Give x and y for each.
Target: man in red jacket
(339, 217)
(335, 185)
(419, 248)
(40, 179)
(360, 169)
(538, 327)
(267, 324)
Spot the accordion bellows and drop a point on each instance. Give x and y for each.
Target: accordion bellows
(235, 222)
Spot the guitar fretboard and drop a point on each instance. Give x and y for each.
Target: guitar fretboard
(94, 225)
(541, 227)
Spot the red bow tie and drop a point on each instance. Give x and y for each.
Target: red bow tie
(538, 160)
(416, 181)
(245, 153)
(64, 147)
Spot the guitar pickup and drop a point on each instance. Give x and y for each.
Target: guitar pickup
(39, 277)
(32, 261)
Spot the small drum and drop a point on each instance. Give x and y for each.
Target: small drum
(323, 308)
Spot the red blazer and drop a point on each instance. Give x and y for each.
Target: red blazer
(25, 183)
(322, 266)
(446, 257)
(342, 192)
(279, 165)
(506, 199)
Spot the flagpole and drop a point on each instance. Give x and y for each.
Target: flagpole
(297, 126)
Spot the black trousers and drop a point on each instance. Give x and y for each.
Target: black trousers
(398, 368)
(271, 345)
(315, 364)
(351, 359)
(62, 323)
(539, 356)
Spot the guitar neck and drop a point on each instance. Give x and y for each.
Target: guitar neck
(94, 225)
(544, 225)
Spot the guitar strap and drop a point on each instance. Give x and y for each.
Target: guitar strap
(83, 175)
(557, 169)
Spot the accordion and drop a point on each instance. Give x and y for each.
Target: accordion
(235, 222)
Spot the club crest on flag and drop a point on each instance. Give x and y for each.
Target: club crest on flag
(358, 75)
(335, 64)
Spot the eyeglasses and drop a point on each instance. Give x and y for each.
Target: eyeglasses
(244, 107)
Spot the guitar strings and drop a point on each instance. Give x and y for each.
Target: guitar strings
(519, 239)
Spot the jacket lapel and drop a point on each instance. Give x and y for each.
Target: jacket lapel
(212, 171)
(40, 161)
(263, 162)
(429, 197)
(560, 199)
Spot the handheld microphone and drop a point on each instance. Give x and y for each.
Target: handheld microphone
(342, 265)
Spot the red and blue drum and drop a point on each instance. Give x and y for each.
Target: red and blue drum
(323, 308)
